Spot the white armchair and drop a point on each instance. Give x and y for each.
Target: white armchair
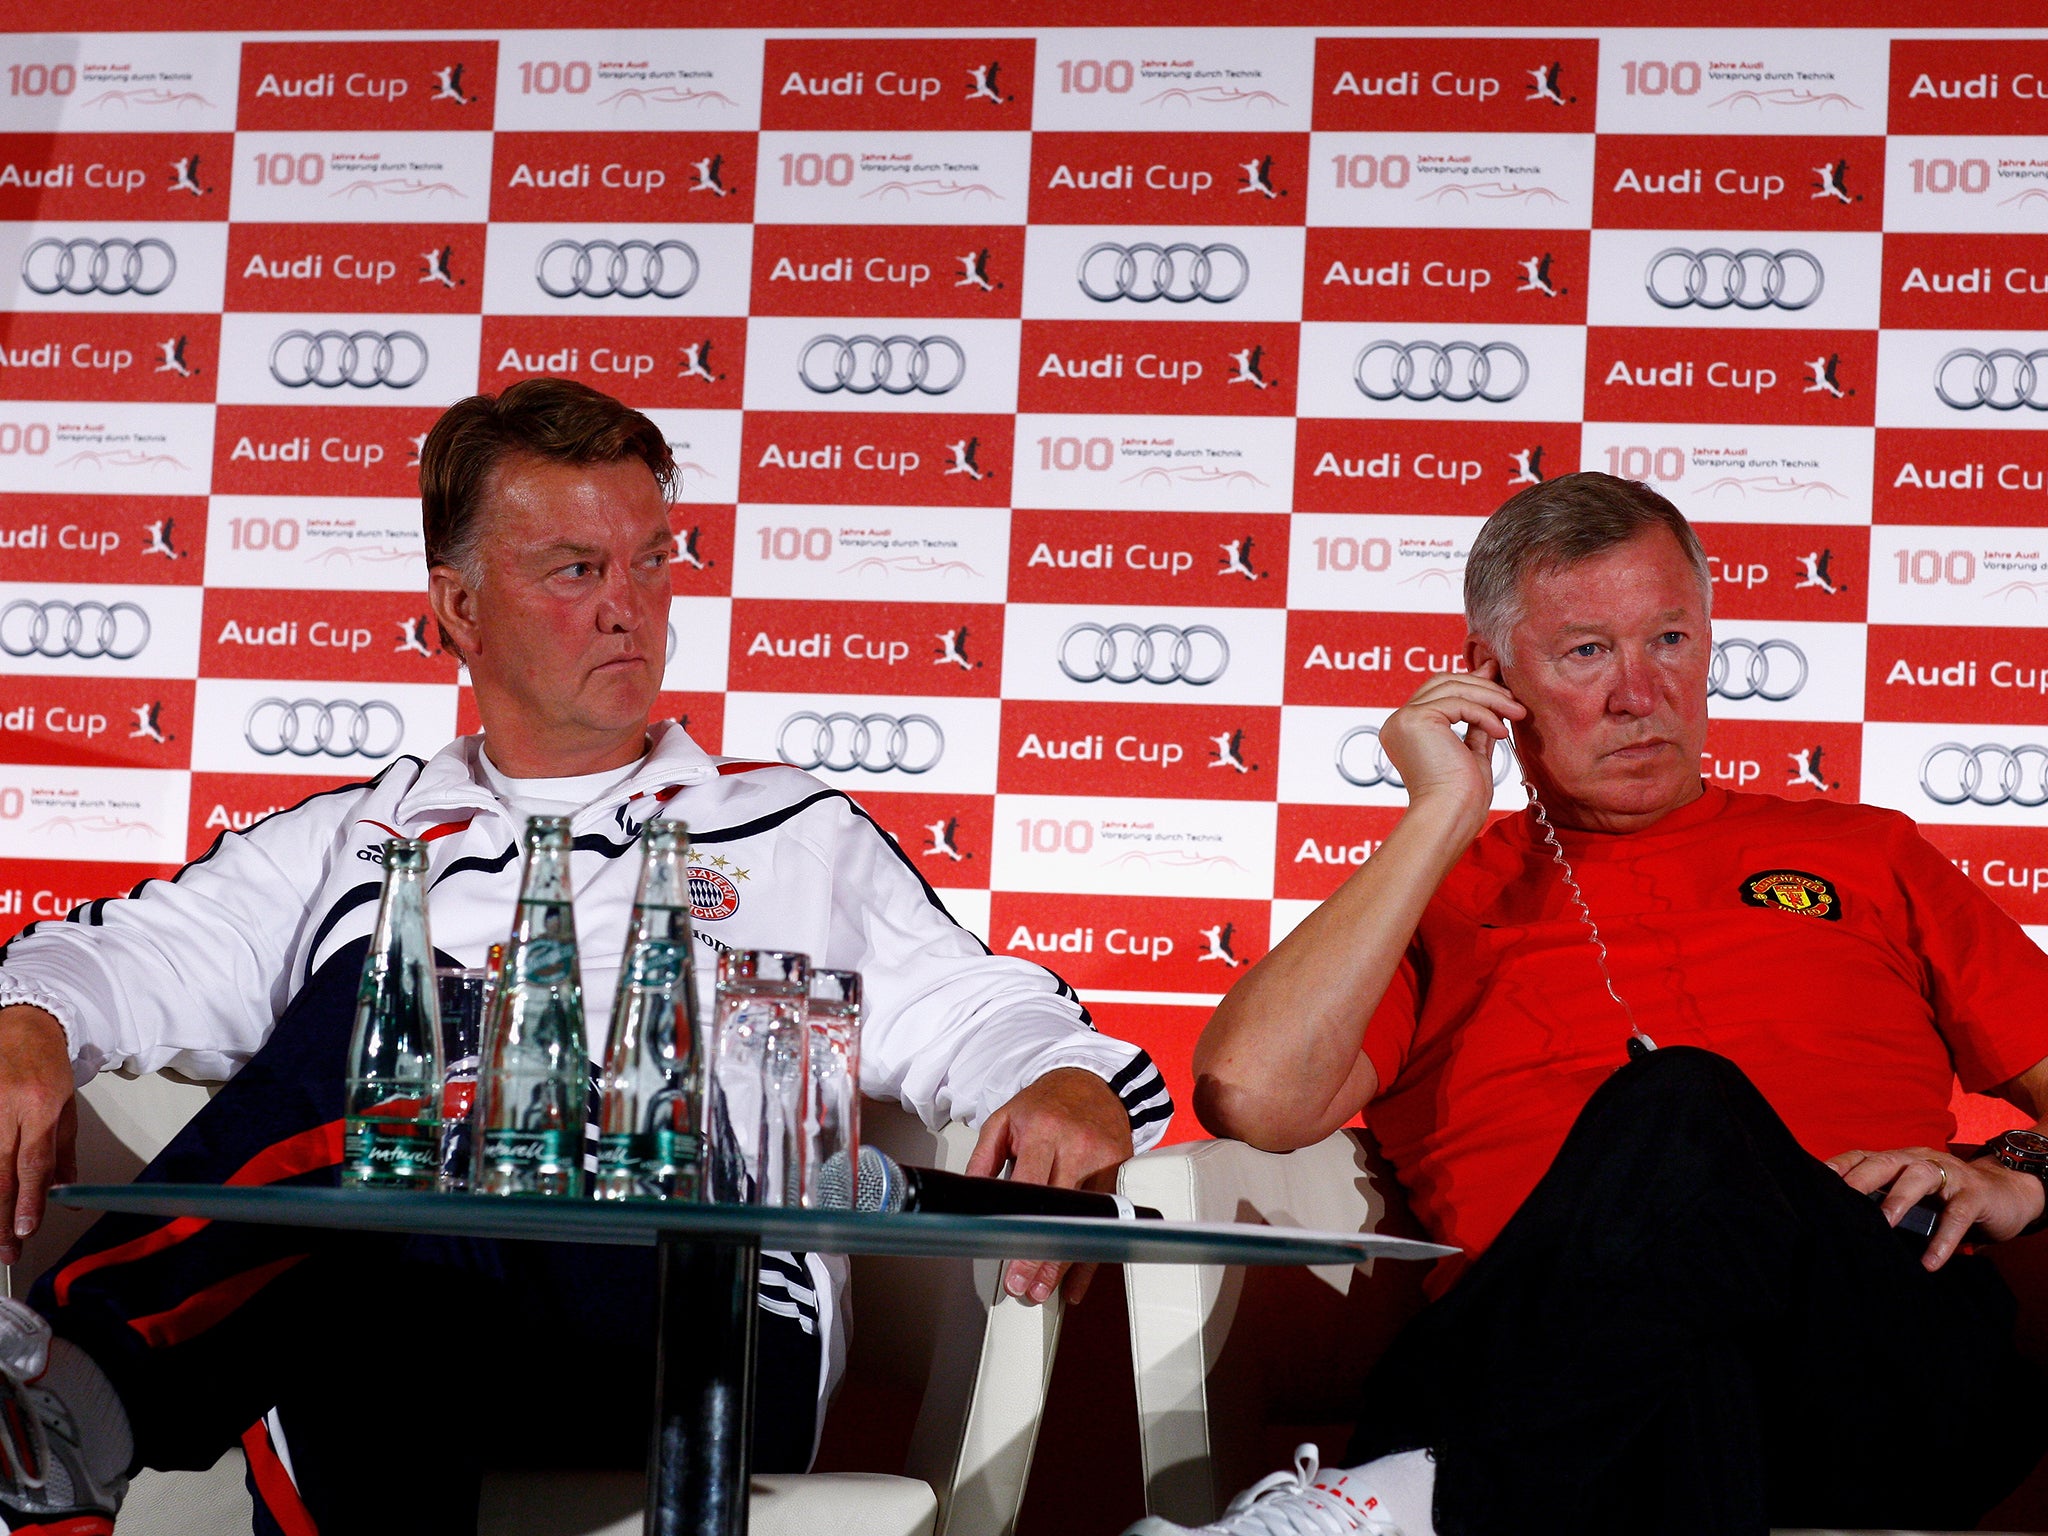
(1234, 1365)
(936, 1333)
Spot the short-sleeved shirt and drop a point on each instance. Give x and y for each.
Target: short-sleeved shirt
(1828, 950)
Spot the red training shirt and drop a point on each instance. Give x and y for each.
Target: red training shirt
(1828, 950)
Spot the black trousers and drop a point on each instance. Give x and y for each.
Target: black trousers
(400, 1367)
(1692, 1326)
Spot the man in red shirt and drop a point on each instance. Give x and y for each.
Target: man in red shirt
(1607, 1044)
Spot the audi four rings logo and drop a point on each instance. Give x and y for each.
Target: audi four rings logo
(1760, 677)
(1450, 370)
(336, 727)
(364, 359)
(1369, 769)
(629, 269)
(88, 631)
(843, 741)
(111, 267)
(1987, 774)
(1179, 273)
(1749, 279)
(2004, 379)
(895, 365)
(1150, 653)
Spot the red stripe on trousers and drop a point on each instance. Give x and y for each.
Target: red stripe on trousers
(201, 1310)
(303, 1153)
(274, 1484)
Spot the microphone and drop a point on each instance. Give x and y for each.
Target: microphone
(885, 1185)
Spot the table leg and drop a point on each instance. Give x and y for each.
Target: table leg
(703, 1387)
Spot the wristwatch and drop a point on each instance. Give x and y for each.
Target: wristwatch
(2025, 1152)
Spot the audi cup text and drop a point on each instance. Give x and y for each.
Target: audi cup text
(1091, 749)
(890, 461)
(569, 360)
(1148, 365)
(1409, 82)
(1400, 274)
(1122, 178)
(56, 721)
(1963, 674)
(1975, 280)
(327, 85)
(66, 173)
(285, 633)
(888, 82)
(1103, 557)
(1692, 181)
(614, 173)
(844, 269)
(300, 450)
(1419, 659)
(2025, 86)
(1719, 374)
(1081, 941)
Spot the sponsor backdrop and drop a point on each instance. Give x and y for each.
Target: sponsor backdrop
(1081, 432)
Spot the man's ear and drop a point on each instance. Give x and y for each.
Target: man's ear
(454, 605)
(1478, 653)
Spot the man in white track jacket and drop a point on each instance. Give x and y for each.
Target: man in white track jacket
(548, 545)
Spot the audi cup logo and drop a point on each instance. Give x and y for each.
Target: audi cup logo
(842, 742)
(1988, 774)
(1452, 370)
(1368, 767)
(111, 267)
(629, 269)
(1150, 653)
(336, 727)
(88, 631)
(2004, 379)
(363, 359)
(895, 365)
(1759, 675)
(1748, 279)
(1178, 273)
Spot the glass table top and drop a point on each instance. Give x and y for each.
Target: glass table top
(643, 1222)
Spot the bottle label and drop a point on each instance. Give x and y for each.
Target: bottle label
(390, 1154)
(531, 1151)
(656, 964)
(546, 962)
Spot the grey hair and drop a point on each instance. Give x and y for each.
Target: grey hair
(1557, 524)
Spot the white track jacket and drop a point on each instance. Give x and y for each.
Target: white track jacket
(193, 972)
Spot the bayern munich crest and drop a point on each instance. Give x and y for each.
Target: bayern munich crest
(712, 895)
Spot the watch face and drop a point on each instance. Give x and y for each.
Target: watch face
(2029, 1148)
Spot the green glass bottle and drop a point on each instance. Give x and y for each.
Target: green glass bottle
(391, 1130)
(650, 1141)
(533, 1083)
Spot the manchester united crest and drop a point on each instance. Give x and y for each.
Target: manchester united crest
(1793, 890)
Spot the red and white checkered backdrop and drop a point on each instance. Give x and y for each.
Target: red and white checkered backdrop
(1081, 430)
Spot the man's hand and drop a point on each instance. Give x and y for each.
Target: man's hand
(1434, 763)
(1985, 1194)
(1067, 1129)
(38, 1120)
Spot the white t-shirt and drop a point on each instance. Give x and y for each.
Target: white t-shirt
(551, 797)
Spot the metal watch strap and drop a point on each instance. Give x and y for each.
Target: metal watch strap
(2025, 1152)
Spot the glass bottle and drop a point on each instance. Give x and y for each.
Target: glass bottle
(650, 1117)
(533, 1083)
(392, 1114)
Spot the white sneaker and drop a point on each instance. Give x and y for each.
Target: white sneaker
(46, 1481)
(1304, 1502)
